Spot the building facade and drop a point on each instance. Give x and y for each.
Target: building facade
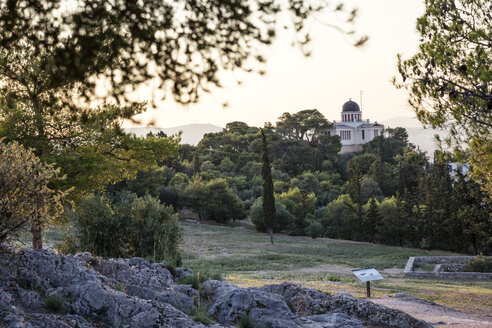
(353, 129)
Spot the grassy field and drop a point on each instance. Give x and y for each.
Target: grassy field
(245, 257)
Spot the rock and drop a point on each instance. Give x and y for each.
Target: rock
(334, 320)
(306, 302)
(228, 303)
(178, 300)
(136, 293)
(137, 272)
(44, 320)
(182, 273)
(87, 292)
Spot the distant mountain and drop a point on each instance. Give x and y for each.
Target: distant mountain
(192, 133)
(420, 137)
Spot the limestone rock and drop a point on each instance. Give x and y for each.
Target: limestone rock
(334, 320)
(88, 294)
(228, 303)
(306, 302)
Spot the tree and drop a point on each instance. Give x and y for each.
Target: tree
(372, 220)
(87, 144)
(222, 204)
(25, 195)
(449, 78)
(267, 196)
(300, 204)
(303, 125)
(183, 45)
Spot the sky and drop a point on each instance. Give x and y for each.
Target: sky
(335, 72)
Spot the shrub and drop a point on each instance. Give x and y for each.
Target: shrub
(314, 230)
(196, 280)
(283, 219)
(25, 196)
(223, 205)
(125, 226)
(479, 264)
(245, 322)
(201, 315)
(55, 303)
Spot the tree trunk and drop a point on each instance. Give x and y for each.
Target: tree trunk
(270, 232)
(37, 240)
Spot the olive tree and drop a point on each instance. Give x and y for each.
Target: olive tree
(25, 195)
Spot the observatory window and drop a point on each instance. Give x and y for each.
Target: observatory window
(345, 135)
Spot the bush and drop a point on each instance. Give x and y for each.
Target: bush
(196, 280)
(125, 226)
(479, 264)
(54, 303)
(201, 315)
(223, 205)
(283, 219)
(314, 229)
(25, 195)
(245, 322)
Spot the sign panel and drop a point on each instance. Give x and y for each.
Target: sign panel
(365, 275)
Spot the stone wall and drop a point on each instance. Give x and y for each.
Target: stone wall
(446, 268)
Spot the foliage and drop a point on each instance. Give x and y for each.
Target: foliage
(314, 229)
(448, 79)
(222, 204)
(26, 195)
(303, 125)
(135, 44)
(196, 280)
(339, 220)
(267, 194)
(300, 204)
(201, 315)
(478, 264)
(284, 220)
(54, 303)
(126, 226)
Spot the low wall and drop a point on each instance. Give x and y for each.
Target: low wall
(443, 263)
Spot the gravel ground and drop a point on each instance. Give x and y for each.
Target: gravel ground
(437, 315)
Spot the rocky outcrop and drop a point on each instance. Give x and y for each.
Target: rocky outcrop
(306, 302)
(228, 303)
(90, 296)
(136, 293)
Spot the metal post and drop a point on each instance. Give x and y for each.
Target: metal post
(368, 288)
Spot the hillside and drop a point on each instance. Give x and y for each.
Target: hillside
(192, 133)
(246, 258)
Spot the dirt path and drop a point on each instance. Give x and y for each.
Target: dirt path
(437, 315)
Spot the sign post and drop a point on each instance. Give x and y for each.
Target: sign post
(367, 275)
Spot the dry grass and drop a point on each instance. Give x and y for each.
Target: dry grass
(246, 258)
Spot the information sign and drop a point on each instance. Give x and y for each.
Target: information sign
(367, 275)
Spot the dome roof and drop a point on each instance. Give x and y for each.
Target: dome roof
(351, 106)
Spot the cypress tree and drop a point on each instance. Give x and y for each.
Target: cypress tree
(267, 188)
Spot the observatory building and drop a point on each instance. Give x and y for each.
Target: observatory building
(353, 130)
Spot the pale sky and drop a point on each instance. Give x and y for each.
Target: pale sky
(335, 72)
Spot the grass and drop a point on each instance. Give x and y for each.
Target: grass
(54, 303)
(201, 315)
(246, 258)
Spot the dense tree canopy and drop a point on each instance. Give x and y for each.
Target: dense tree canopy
(182, 44)
(449, 79)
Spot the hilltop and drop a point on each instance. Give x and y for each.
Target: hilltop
(192, 133)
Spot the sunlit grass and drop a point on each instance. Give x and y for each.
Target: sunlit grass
(246, 258)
